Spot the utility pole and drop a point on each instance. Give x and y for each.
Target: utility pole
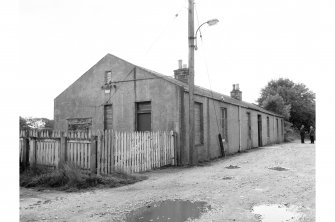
(193, 152)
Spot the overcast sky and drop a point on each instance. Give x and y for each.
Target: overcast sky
(254, 42)
(47, 44)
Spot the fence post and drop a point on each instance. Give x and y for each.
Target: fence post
(174, 148)
(63, 149)
(25, 152)
(32, 147)
(93, 155)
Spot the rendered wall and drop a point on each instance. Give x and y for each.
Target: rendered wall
(85, 98)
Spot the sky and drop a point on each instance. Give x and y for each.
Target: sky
(254, 42)
(45, 45)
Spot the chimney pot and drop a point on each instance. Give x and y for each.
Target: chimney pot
(180, 63)
(236, 93)
(181, 73)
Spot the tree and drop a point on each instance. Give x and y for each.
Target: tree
(35, 123)
(300, 99)
(276, 104)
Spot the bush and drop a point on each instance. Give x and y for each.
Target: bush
(290, 133)
(71, 178)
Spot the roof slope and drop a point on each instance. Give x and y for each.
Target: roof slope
(211, 94)
(197, 89)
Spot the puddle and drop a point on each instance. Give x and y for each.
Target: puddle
(169, 210)
(232, 167)
(277, 213)
(227, 178)
(278, 168)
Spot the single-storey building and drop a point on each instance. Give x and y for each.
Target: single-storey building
(115, 94)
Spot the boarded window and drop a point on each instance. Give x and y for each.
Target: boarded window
(198, 124)
(268, 126)
(108, 117)
(108, 77)
(79, 123)
(143, 116)
(224, 124)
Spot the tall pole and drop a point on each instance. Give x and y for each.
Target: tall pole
(193, 152)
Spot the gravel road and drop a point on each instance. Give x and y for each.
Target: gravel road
(231, 192)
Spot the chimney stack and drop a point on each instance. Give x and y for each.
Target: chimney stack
(181, 73)
(180, 63)
(236, 93)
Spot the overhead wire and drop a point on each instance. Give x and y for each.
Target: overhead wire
(207, 72)
(111, 96)
(165, 28)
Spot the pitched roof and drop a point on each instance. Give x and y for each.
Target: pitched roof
(211, 94)
(197, 89)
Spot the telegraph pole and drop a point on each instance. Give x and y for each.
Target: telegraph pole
(193, 152)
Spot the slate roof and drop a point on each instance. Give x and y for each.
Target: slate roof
(211, 94)
(204, 92)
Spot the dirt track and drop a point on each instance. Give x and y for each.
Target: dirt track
(231, 200)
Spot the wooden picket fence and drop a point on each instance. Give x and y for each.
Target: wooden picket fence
(105, 152)
(134, 151)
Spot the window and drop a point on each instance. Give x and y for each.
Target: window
(108, 77)
(79, 123)
(108, 117)
(268, 126)
(198, 124)
(224, 124)
(143, 116)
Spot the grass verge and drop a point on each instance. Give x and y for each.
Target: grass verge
(71, 178)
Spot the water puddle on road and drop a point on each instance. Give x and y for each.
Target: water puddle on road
(227, 178)
(277, 213)
(278, 168)
(232, 167)
(169, 210)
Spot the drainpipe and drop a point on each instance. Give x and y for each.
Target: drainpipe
(239, 126)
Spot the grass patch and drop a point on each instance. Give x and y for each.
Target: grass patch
(71, 178)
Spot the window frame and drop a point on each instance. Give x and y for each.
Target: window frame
(137, 112)
(202, 139)
(108, 76)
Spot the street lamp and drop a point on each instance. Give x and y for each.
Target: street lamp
(210, 23)
(193, 152)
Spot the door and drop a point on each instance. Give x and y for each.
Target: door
(249, 138)
(260, 141)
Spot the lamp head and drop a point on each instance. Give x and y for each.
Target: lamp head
(212, 22)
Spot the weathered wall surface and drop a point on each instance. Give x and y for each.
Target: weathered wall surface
(85, 98)
(212, 127)
(169, 109)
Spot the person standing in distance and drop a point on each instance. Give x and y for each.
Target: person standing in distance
(312, 134)
(302, 133)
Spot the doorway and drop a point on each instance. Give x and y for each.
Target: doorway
(249, 138)
(260, 142)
